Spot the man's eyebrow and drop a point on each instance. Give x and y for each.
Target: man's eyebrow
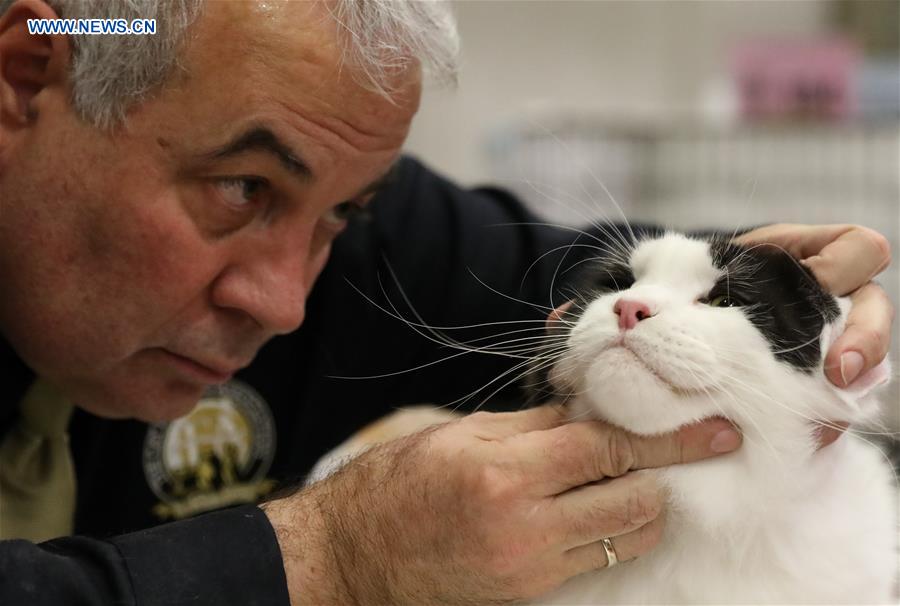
(261, 138)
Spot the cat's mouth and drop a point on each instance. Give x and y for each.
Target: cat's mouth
(676, 389)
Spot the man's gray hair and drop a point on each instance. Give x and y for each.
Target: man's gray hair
(381, 38)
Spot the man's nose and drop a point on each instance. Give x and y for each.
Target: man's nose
(272, 291)
(282, 301)
(631, 312)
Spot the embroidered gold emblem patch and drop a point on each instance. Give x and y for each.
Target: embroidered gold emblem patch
(215, 456)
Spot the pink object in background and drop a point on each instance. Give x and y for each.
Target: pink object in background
(779, 79)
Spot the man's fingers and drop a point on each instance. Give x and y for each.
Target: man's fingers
(801, 241)
(850, 261)
(789, 236)
(610, 508)
(499, 425)
(558, 459)
(627, 547)
(842, 257)
(866, 337)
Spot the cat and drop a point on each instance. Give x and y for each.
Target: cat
(666, 330)
(674, 329)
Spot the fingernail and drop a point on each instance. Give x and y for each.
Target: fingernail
(725, 441)
(851, 363)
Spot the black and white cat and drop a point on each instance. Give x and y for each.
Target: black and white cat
(674, 330)
(669, 330)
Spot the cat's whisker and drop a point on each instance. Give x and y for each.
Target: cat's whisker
(409, 304)
(432, 333)
(400, 372)
(489, 343)
(439, 339)
(612, 247)
(580, 416)
(528, 367)
(739, 363)
(567, 248)
(591, 215)
(766, 396)
(599, 182)
(510, 297)
(536, 333)
(600, 242)
(536, 352)
(706, 381)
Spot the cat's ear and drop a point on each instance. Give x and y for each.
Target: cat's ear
(555, 319)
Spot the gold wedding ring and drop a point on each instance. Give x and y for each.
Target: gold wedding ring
(611, 558)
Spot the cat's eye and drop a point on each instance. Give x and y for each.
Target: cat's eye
(720, 301)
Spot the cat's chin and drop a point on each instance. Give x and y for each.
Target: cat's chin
(626, 392)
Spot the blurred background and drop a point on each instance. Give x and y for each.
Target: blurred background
(689, 114)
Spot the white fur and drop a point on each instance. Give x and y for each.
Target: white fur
(778, 521)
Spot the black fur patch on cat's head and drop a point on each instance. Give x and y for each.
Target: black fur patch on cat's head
(779, 296)
(605, 276)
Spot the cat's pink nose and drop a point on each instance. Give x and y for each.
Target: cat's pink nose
(630, 313)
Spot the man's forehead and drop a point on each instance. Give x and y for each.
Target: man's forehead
(271, 32)
(288, 54)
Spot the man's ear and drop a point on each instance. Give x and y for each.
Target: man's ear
(29, 63)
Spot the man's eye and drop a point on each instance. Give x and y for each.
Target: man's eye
(241, 192)
(344, 211)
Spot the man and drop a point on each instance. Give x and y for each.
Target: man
(145, 257)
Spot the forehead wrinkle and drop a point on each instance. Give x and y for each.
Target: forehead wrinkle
(302, 119)
(346, 113)
(336, 132)
(339, 124)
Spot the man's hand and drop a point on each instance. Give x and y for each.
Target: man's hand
(489, 509)
(844, 258)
